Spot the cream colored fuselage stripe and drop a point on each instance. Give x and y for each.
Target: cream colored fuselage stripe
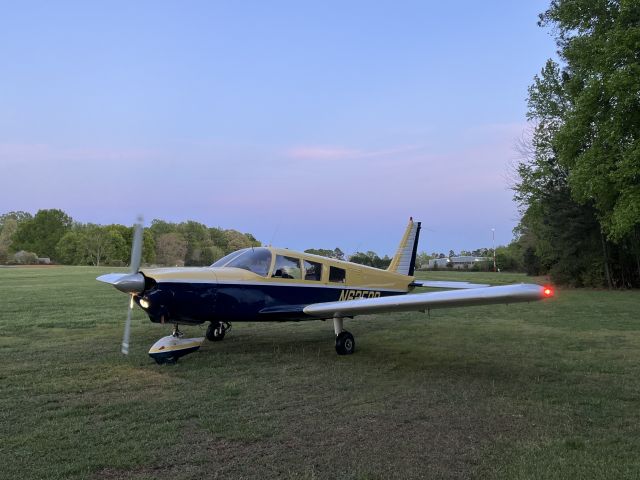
(357, 276)
(171, 348)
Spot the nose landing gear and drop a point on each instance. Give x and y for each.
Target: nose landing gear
(170, 348)
(217, 330)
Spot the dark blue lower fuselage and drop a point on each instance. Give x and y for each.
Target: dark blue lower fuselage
(195, 303)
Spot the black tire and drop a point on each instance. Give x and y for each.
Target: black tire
(345, 343)
(214, 332)
(166, 361)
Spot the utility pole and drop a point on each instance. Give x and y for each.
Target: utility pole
(493, 242)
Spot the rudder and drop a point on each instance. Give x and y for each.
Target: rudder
(404, 261)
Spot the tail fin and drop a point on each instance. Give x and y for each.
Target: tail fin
(404, 261)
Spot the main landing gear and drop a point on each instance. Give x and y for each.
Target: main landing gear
(217, 330)
(345, 343)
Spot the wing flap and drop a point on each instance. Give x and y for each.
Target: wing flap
(450, 285)
(284, 312)
(423, 301)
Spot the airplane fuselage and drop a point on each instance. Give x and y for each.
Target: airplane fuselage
(275, 290)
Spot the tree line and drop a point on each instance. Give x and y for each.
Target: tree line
(579, 179)
(55, 235)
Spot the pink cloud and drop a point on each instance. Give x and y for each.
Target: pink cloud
(315, 152)
(322, 153)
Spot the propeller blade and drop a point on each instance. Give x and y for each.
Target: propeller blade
(127, 329)
(136, 247)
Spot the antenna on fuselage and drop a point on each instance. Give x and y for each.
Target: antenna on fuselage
(275, 230)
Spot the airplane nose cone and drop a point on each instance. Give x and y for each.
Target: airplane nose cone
(127, 283)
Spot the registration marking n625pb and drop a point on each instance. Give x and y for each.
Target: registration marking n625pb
(353, 294)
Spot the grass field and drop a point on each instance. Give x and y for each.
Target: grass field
(546, 390)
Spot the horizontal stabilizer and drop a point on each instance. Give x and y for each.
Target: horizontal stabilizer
(425, 301)
(450, 285)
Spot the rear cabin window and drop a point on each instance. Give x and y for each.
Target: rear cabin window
(337, 275)
(312, 270)
(287, 267)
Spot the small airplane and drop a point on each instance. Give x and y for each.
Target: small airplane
(261, 284)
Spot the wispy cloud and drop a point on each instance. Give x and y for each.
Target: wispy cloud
(328, 153)
(35, 153)
(315, 152)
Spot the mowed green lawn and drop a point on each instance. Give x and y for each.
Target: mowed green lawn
(544, 390)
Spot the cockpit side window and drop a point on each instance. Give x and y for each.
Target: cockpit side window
(256, 260)
(287, 267)
(312, 270)
(337, 275)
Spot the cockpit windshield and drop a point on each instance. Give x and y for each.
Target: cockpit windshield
(256, 260)
(227, 258)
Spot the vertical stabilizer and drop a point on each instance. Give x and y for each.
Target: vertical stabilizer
(404, 261)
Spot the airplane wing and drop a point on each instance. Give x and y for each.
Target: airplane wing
(450, 285)
(426, 301)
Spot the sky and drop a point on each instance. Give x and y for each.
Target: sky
(307, 124)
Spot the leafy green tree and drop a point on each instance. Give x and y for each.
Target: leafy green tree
(103, 244)
(9, 228)
(18, 216)
(93, 245)
(211, 254)
(579, 188)
(422, 260)
(371, 259)
(197, 236)
(42, 233)
(159, 227)
(237, 241)
(337, 254)
(9, 223)
(148, 247)
(70, 249)
(219, 239)
(509, 258)
(599, 137)
(171, 249)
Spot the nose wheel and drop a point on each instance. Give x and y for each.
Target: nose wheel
(217, 330)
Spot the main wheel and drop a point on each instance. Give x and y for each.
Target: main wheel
(215, 331)
(345, 344)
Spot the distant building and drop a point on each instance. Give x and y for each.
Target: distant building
(437, 263)
(457, 263)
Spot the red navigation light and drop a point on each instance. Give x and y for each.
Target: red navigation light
(548, 291)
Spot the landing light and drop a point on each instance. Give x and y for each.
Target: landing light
(548, 291)
(144, 303)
